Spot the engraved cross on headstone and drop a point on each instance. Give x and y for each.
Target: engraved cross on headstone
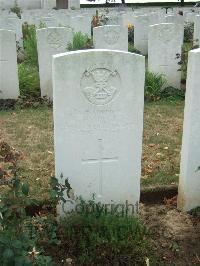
(100, 161)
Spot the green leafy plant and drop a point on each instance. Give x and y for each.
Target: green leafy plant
(188, 32)
(80, 41)
(132, 49)
(28, 68)
(183, 59)
(173, 94)
(30, 45)
(17, 247)
(154, 84)
(29, 82)
(16, 9)
(90, 238)
(58, 190)
(97, 238)
(175, 247)
(195, 212)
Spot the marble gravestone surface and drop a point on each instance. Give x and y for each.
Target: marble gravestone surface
(9, 83)
(111, 37)
(50, 41)
(141, 28)
(14, 24)
(196, 40)
(48, 4)
(49, 22)
(176, 19)
(82, 24)
(164, 50)
(98, 124)
(189, 180)
(74, 4)
(190, 17)
(128, 19)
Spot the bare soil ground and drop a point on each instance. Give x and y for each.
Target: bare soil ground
(175, 235)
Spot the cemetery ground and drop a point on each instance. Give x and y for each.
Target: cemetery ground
(31, 234)
(31, 131)
(173, 238)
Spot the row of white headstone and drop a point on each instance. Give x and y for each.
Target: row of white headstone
(36, 4)
(81, 21)
(165, 45)
(162, 41)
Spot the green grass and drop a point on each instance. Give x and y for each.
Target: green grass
(162, 143)
(29, 82)
(80, 41)
(31, 131)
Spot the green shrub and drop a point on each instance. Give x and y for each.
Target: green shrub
(28, 69)
(29, 82)
(195, 212)
(173, 94)
(154, 83)
(188, 32)
(17, 244)
(95, 238)
(16, 9)
(30, 44)
(132, 49)
(80, 41)
(183, 63)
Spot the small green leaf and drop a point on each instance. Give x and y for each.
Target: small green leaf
(3, 239)
(8, 253)
(17, 244)
(25, 189)
(16, 182)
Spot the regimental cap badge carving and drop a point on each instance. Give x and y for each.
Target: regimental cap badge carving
(111, 35)
(54, 39)
(100, 85)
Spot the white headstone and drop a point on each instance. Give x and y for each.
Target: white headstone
(9, 83)
(141, 33)
(190, 17)
(14, 24)
(81, 23)
(165, 43)
(49, 22)
(25, 4)
(176, 19)
(48, 4)
(111, 37)
(50, 41)
(63, 19)
(74, 4)
(114, 20)
(197, 31)
(189, 180)
(128, 19)
(98, 121)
